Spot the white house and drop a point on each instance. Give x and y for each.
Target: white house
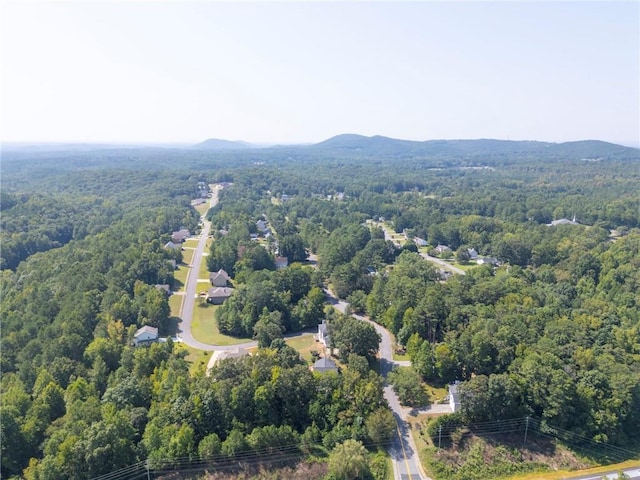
(420, 242)
(323, 334)
(145, 336)
(454, 399)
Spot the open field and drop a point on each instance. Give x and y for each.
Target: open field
(187, 255)
(204, 327)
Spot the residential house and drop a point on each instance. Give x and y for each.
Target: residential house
(563, 221)
(325, 364)
(473, 255)
(219, 278)
(323, 334)
(171, 245)
(261, 225)
(281, 262)
(420, 242)
(164, 287)
(454, 398)
(172, 263)
(442, 249)
(145, 336)
(180, 236)
(218, 295)
(219, 355)
(488, 260)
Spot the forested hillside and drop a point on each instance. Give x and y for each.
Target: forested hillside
(553, 331)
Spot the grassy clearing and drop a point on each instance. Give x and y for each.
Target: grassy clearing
(180, 276)
(436, 393)
(203, 208)
(192, 243)
(468, 456)
(305, 345)
(175, 304)
(198, 358)
(203, 272)
(465, 267)
(204, 327)
(187, 256)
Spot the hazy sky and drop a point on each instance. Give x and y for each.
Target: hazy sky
(301, 72)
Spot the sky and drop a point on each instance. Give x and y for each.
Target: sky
(296, 72)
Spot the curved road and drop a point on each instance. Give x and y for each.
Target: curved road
(403, 452)
(190, 291)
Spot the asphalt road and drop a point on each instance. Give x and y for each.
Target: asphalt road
(404, 455)
(190, 295)
(632, 474)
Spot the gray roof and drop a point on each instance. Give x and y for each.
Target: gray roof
(220, 292)
(146, 329)
(325, 364)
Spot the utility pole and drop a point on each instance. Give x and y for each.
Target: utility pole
(147, 465)
(439, 436)
(526, 430)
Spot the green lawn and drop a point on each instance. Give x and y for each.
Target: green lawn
(180, 275)
(466, 267)
(198, 358)
(204, 327)
(204, 271)
(203, 208)
(175, 304)
(190, 243)
(435, 392)
(305, 345)
(187, 256)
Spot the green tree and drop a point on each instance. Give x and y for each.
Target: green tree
(348, 461)
(209, 447)
(408, 386)
(381, 426)
(354, 336)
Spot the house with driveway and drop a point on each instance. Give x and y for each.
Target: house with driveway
(219, 278)
(218, 295)
(145, 336)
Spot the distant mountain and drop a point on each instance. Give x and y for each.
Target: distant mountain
(378, 145)
(218, 144)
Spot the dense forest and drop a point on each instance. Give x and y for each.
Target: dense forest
(553, 331)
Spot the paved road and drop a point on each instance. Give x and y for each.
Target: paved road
(190, 295)
(632, 474)
(404, 455)
(442, 263)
